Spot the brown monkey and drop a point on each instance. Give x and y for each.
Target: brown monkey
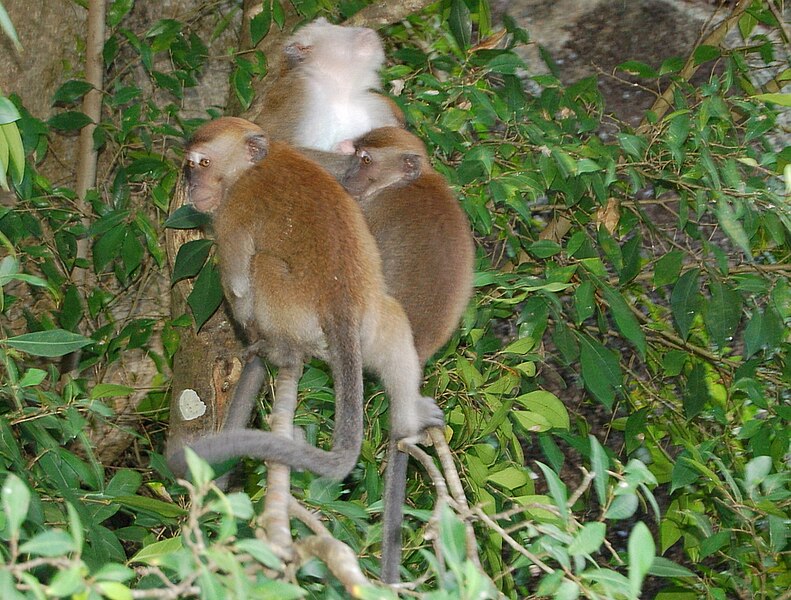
(423, 235)
(303, 278)
(426, 245)
(324, 94)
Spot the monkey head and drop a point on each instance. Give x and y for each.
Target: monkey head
(329, 49)
(386, 157)
(218, 153)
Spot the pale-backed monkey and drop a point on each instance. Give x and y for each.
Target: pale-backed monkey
(324, 95)
(425, 241)
(303, 278)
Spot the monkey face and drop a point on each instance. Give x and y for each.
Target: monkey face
(329, 49)
(379, 168)
(219, 152)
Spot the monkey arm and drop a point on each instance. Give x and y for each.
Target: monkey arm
(334, 163)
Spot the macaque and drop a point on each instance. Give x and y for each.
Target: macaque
(426, 245)
(325, 94)
(303, 277)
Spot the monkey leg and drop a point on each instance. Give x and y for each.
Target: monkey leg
(395, 360)
(391, 354)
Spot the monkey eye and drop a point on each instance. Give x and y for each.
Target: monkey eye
(204, 162)
(190, 164)
(366, 158)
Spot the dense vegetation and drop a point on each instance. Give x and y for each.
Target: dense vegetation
(617, 396)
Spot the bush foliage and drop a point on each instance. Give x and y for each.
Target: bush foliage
(617, 396)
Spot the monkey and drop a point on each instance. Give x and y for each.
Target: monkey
(427, 250)
(326, 93)
(303, 277)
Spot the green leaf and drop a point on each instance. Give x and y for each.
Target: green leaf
(722, 313)
(548, 406)
(15, 497)
(452, 538)
(260, 551)
(623, 507)
(53, 542)
(190, 259)
(16, 150)
(151, 505)
(8, 111)
(638, 68)
(685, 301)
(206, 295)
(67, 582)
(627, 323)
(778, 98)
(732, 226)
(260, 24)
(114, 590)
(584, 301)
(588, 539)
(557, 490)
(601, 371)
(460, 23)
(153, 554)
(704, 53)
(663, 567)
(633, 145)
(642, 552)
(600, 463)
(108, 247)
(71, 91)
(110, 390)
(118, 10)
(71, 120)
(32, 378)
(124, 483)
(668, 268)
(186, 217)
(7, 26)
(764, 331)
(51, 343)
(510, 478)
(696, 394)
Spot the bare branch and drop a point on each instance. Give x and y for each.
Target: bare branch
(456, 489)
(339, 558)
(386, 12)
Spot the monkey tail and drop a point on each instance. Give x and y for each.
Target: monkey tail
(346, 363)
(394, 496)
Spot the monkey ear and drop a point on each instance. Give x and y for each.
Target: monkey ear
(257, 147)
(411, 166)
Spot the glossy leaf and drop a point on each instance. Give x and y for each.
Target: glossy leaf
(51, 343)
(190, 259)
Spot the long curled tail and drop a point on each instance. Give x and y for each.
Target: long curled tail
(346, 364)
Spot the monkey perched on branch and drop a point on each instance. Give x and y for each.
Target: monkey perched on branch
(303, 277)
(427, 252)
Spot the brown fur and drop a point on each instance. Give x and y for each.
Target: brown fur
(427, 254)
(303, 277)
(422, 233)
